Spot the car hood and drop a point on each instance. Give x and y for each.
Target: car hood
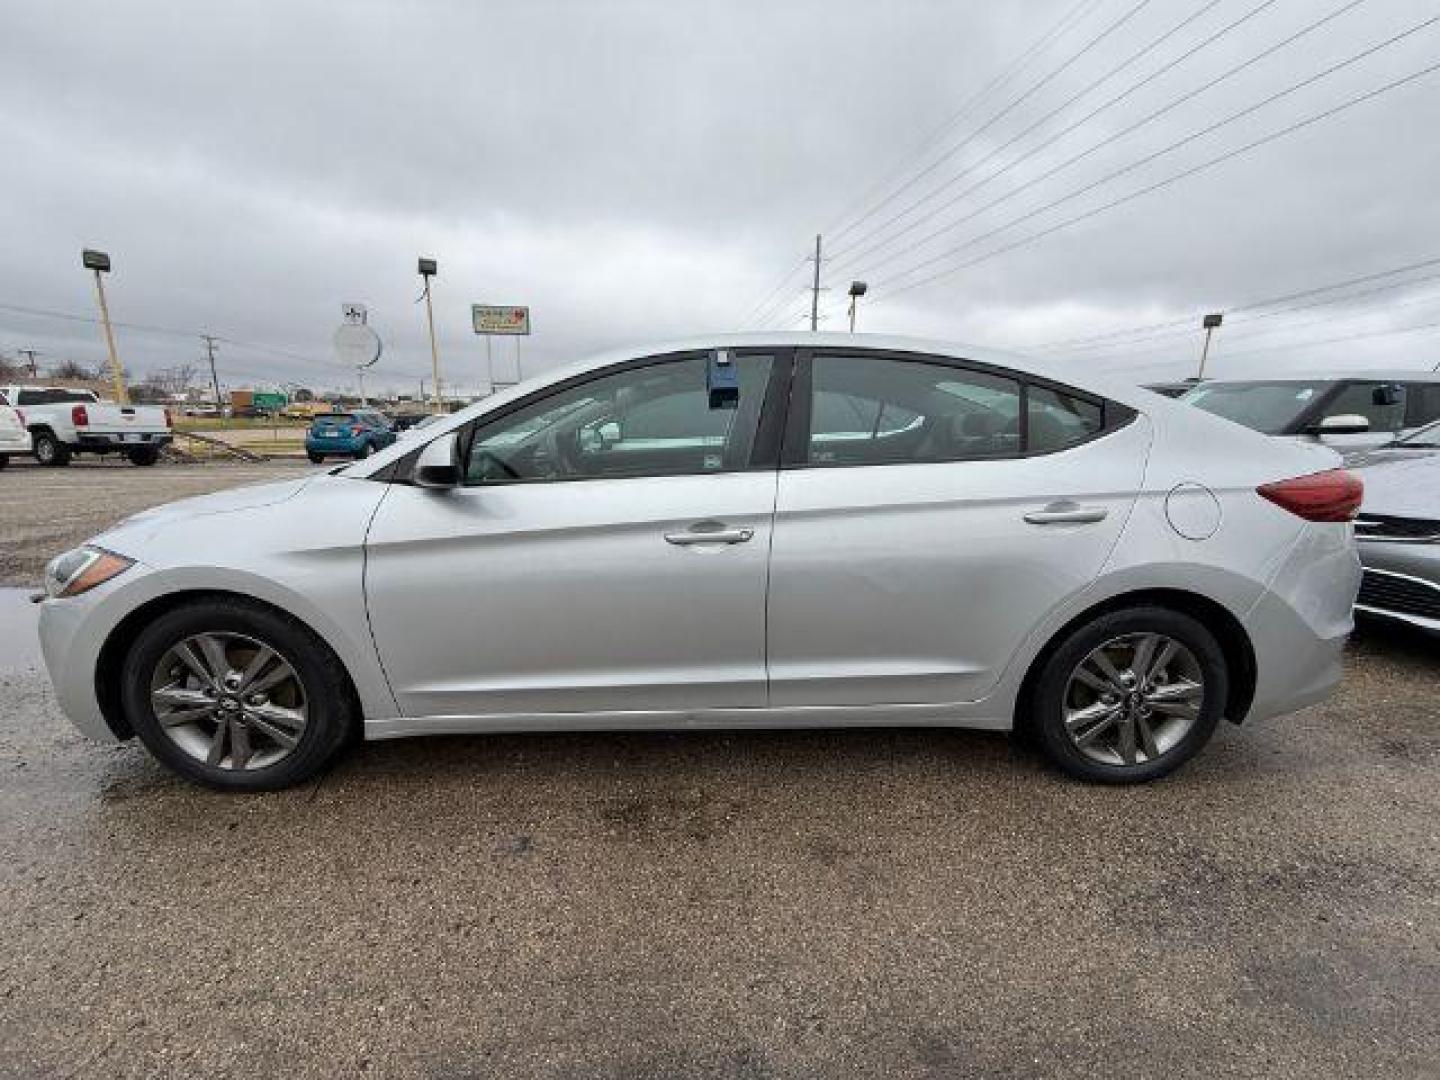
(1402, 486)
(130, 534)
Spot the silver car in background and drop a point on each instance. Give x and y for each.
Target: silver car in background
(1399, 530)
(749, 531)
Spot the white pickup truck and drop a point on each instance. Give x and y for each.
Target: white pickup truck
(65, 422)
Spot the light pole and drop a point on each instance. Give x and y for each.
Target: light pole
(99, 261)
(429, 268)
(1211, 323)
(857, 290)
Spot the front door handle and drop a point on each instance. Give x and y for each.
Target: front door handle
(1066, 512)
(709, 532)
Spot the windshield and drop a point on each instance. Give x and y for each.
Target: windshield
(1427, 437)
(1268, 407)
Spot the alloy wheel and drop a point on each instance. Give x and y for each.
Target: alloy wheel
(229, 700)
(1133, 699)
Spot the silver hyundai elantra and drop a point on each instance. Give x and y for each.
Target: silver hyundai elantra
(748, 531)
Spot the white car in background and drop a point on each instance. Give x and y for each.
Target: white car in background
(14, 439)
(789, 530)
(1352, 412)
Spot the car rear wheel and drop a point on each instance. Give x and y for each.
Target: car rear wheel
(1129, 697)
(4, 460)
(315, 458)
(143, 455)
(363, 451)
(235, 695)
(49, 450)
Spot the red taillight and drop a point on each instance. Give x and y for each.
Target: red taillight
(1323, 496)
(79, 417)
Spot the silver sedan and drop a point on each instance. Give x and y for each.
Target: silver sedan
(750, 531)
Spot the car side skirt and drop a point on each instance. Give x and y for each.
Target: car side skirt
(810, 716)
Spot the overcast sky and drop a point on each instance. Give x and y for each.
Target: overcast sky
(649, 169)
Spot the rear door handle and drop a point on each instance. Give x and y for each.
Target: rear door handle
(709, 532)
(1066, 513)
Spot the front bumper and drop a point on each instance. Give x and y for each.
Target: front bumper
(1402, 582)
(72, 633)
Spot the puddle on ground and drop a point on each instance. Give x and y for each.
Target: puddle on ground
(19, 644)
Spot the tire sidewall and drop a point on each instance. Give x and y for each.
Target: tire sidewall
(47, 449)
(1047, 723)
(330, 716)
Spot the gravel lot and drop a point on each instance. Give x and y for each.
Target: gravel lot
(47, 511)
(749, 905)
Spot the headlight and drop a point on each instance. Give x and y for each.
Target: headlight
(81, 570)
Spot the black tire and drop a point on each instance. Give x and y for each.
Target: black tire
(364, 451)
(4, 460)
(143, 455)
(49, 450)
(315, 458)
(1045, 726)
(331, 715)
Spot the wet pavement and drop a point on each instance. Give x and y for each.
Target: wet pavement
(910, 903)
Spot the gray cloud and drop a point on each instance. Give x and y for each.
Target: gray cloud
(642, 170)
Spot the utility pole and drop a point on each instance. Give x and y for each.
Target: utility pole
(30, 355)
(1210, 323)
(428, 269)
(214, 378)
(815, 290)
(99, 262)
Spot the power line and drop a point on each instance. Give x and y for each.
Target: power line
(1179, 331)
(1014, 68)
(1251, 305)
(770, 295)
(1210, 5)
(1149, 118)
(1150, 188)
(167, 331)
(1082, 121)
(1130, 13)
(1331, 341)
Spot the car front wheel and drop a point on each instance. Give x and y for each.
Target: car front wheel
(236, 695)
(1129, 697)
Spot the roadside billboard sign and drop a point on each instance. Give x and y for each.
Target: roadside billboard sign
(500, 319)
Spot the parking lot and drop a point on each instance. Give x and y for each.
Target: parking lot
(887, 903)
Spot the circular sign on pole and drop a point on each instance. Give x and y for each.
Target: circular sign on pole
(356, 345)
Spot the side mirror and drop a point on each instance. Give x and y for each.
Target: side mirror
(438, 465)
(1343, 424)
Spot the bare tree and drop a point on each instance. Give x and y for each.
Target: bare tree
(173, 381)
(11, 368)
(71, 369)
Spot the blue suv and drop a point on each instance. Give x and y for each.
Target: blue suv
(355, 434)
